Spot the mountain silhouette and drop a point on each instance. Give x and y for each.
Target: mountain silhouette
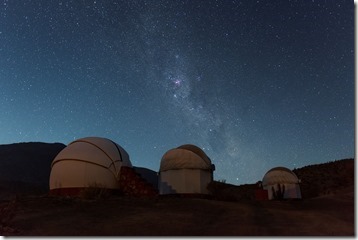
(26, 165)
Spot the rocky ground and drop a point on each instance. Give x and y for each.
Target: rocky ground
(329, 215)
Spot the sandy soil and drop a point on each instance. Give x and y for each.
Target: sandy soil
(125, 216)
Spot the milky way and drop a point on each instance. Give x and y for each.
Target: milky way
(255, 84)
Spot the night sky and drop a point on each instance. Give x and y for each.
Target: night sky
(255, 84)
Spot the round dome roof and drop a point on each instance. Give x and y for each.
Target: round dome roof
(182, 158)
(197, 151)
(279, 175)
(90, 161)
(96, 150)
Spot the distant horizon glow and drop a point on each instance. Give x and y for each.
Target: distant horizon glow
(254, 84)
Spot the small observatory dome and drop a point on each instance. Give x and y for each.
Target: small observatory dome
(285, 178)
(279, 175)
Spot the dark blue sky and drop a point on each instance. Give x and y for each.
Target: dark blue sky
(255, 84)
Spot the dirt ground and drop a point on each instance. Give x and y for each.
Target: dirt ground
(125, 216)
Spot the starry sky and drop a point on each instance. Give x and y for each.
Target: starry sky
(255, 84)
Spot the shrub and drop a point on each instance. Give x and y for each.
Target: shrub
(7, 213)
(279, 193)
(222, 181)
(95, 191)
